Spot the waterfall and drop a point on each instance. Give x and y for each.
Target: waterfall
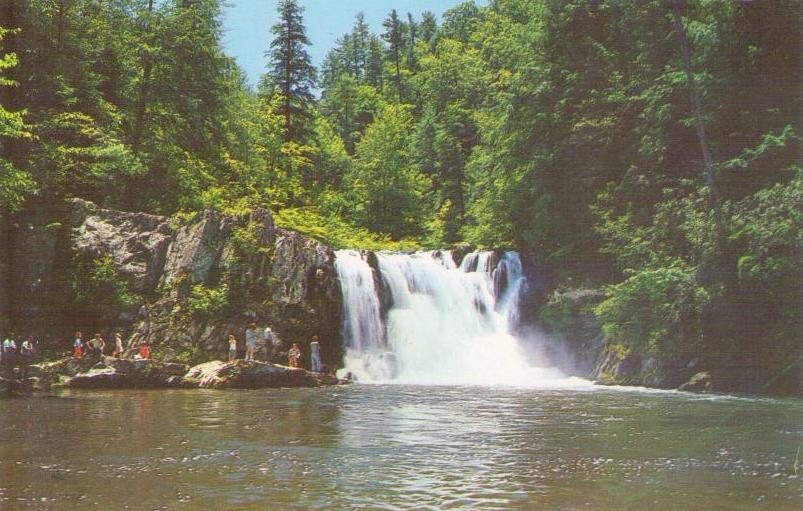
(444, 323)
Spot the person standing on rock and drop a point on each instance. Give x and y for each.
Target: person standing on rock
(275, 345)
(315, 354)
(252, 338)
(96, 345)
(78, 346)
(118, 345)
(144, 351)
(232, 347)
(26, 356)
(294, 355)
(9, 352)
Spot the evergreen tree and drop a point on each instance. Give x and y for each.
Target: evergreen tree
(360, 40)
(375, 72)
(393, 36)
(291, 69)
(428, 26)
(412, 32)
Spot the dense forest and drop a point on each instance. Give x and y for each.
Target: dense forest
(647, 148)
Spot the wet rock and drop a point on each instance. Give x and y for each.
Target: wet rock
(700, 382)
(252, 375)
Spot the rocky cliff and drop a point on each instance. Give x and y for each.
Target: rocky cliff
(181, 286)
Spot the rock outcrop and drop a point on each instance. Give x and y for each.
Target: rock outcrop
(169, 269)
(253, 375)
(700, 382)
(115, 373)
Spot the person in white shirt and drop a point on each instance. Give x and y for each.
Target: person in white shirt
(315, 355)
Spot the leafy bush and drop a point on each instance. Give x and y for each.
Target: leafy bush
(99, 291)
(207, 301)
(656, 310)
(336, 232)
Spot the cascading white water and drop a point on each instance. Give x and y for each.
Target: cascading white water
(362, 323)
(444, 325)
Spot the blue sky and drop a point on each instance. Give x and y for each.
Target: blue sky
(247, 24)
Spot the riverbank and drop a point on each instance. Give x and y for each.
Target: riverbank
(114, 373)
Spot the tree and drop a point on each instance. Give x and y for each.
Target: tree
(393, 36)
(360, 40)
(412, 32)
(389, 190)
(291, 69)
(14, 182)
(428, 26)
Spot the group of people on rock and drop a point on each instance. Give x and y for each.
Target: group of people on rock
(97, 347)
(15, 352)
(20, 353)
(257, 339)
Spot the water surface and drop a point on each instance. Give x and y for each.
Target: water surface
(399, 447)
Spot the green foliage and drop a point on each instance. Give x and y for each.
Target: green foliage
(14, 182)
(657, 311)
(291, 69)
(388, 192)
(337, 233)
(100, 293)
(206, 301)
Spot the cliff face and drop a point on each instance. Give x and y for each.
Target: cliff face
(183, 288)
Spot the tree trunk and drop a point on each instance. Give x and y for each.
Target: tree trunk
(710, 172)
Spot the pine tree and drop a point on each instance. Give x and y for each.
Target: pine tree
(360, 40)
(412, 32)
(291, 69)
(427, 27)
(375, 60)
(393, 36)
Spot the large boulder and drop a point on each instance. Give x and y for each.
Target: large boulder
(136, 242)
(197, 248)
(253, 375)
(700, 382)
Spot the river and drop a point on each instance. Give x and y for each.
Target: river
(370, 446)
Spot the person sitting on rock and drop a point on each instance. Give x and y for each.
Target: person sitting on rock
(118, 345)
(252, 339)
(232, 347)
(78, 346)
(294, 355)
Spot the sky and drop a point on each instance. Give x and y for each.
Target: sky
(247, 25)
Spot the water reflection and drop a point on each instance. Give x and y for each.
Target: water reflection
(395, 447)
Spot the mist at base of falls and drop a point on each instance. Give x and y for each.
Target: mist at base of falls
(423, 319)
